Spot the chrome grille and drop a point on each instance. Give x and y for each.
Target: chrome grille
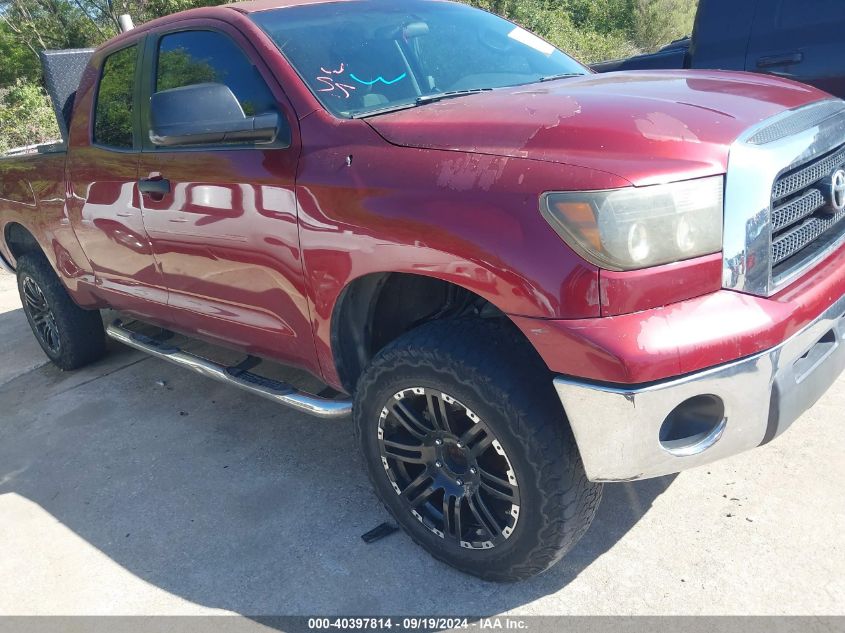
(797, 210)
(800, 236)
(808, 175)
(777, 221)
(800, 220)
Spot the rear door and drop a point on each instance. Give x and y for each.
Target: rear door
(801, 40)
(103, 202)
(225, 231)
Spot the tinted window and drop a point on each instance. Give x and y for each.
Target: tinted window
(365, 56)
(195, 57)
(113, 123)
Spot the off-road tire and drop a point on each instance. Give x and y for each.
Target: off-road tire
(79, 332)
(489, 368)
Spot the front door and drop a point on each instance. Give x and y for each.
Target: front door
(222, 219)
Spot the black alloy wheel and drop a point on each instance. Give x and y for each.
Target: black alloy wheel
(448, 469)
(41, 316)
(71, 336)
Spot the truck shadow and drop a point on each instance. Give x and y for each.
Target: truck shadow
(230, 502)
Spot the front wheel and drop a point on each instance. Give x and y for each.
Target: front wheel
(467, 446)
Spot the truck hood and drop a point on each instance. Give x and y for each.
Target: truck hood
(646, 127)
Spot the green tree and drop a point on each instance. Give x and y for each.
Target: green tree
(26, 116)
(48, 24)
(19, 62)
(658, 22)
(595, 30)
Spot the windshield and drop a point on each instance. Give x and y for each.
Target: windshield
(373, 55)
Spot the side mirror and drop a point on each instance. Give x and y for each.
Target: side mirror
(207, 113)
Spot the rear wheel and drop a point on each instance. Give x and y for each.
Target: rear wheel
(467, 445)
(70, 336)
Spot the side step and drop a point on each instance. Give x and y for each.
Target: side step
(279, 392)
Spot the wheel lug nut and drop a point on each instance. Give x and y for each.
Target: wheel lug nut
(439, 442)
(460, 482)
(460, 445)
(438, 464)
(473, 471)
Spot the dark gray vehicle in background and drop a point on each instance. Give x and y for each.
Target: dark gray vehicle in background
(796, 39)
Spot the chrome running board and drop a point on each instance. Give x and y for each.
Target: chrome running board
(274, 390)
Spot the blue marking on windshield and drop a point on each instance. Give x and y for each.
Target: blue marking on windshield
(378, 79)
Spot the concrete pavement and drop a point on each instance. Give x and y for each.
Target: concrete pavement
(122, 496)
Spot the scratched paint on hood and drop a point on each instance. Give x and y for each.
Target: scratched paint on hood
(469, 172)
(646, 127)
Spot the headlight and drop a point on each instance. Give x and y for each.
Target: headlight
(639, 227)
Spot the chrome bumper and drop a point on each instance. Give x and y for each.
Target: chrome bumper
(618, 428)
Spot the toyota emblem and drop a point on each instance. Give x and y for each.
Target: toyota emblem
(836, 191)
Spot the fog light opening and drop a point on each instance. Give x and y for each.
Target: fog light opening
(693, 426)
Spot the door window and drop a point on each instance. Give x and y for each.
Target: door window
(194, 57)
(113, 120)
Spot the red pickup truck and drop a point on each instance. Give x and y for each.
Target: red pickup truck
(520, 278)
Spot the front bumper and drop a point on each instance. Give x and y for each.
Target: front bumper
(618, 428)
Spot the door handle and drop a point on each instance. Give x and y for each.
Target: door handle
(154, 186)
(780, 60)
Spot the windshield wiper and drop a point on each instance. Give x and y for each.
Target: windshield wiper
(560, 76)
(420, 101)
(440, 96)
(385, 110)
